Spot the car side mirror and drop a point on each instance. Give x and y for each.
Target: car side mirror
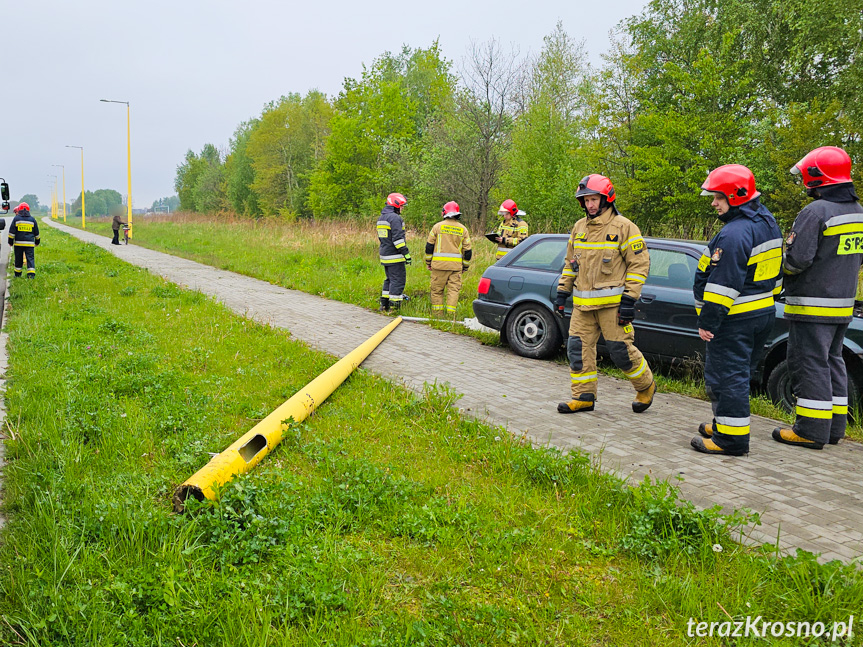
(4, 193)
(5, 207)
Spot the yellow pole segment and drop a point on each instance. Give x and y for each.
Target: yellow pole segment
(250, 448)
(129, 168)
(64, 194)
(83, 199)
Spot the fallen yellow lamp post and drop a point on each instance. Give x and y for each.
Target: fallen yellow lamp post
(259, 441)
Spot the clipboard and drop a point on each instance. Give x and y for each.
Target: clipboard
(493, 237)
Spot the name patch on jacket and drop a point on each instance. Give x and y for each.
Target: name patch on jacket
(848, 244)
(25, 226)
(449, 229)
(611, 237)
(581, 236)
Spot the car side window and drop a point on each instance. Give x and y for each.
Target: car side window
(544, 255)
(670, 269)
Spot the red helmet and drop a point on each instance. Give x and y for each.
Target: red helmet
(824, 166)
(22, 206)
(595, 184)
(734, 181)
(451, 210)
(508, 206)
(396, 200)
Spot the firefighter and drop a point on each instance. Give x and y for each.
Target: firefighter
(447, 255)
(393, 252)
(512, 230)
(24, 238)
(607, 261)
(822, 261)
(734, 287)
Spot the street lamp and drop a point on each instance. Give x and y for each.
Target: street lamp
(54, 197)
(64, 189)
(83, 202)
(128, 162)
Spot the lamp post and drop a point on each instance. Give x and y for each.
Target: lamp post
(83, 201)
(128, 162)
(54, 197)
(64, 189)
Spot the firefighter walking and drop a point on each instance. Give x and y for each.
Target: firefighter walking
(512, 230)
(447, 255)
(734, 287)
(393, 252)
(822, 262)
(24, 238)
(607, 263)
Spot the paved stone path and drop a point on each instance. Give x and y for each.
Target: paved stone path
(810, 499)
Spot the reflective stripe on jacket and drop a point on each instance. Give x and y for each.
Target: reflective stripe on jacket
(391, 234)
(24, 231)
(611, 260)
(512, 234)
(739, 268)
(448, 246)
(822, 258)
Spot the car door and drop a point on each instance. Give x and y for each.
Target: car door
(666, 323)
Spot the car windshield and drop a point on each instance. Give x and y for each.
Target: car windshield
(671, 269)
(544, 255)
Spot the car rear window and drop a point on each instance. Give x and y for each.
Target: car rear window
(544, 255)
(671, 269)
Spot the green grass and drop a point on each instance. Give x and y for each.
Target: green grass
(338, 260)
(385, 519)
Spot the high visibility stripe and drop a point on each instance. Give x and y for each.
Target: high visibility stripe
(729, 430)
(392, 258)
(597, 297)
(641, 368)
(844, 219)
(567, 272)
(806, 412)
(638, 278)
(583, 377)
(722, 290)
(755, 304)
(778, 287)
(581, 244)
(450, 308)
(825, 405)
(447, 255)
(838, 399)
(703, 262)
(20, 244)
(718, 298)
(824, 302)
(773, 243)
(764, 256)
(814, 311)
(851, 223)
(631, 241)
(385, 294)
(447, 259)
(399, 243)
(397, 297)
(840, 409)
(383, 224)
(733, 422)
(435, 307)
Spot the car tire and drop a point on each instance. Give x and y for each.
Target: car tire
(531, 331)
(779, 387)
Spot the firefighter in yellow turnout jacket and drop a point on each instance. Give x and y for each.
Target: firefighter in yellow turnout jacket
(607, 262)
(512, 230)
(448, 254)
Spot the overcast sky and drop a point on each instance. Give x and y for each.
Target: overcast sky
(194, 69)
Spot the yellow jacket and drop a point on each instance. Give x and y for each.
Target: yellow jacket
(448, 246)
(606, 257)
(511, 233)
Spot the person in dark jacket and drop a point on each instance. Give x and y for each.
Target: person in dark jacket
(823, 253)
(734, 287)
(115, 226)
(393, 252)
(24, 238)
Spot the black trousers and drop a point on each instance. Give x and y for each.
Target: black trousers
(20, 254)
(394, 284)
(116, 239)
(819, 379)
(732, 358)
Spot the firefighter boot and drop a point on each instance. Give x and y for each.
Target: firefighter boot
(643, 399)
(385, 305)
(707, 446)
(585, 402)
(788, 437)
(706, 429)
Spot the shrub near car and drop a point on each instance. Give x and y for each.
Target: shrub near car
(516, 296)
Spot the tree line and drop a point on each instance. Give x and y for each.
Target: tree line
(685, 86)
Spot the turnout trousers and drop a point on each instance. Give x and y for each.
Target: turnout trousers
(731, 361)
(22, 252)
(584, 329)
(819, 380)
(394, 285)
(449, 280)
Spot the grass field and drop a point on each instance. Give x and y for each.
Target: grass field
(338, 260)
(386, 519)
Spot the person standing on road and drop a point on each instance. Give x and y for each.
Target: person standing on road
(24, 238)
(447, 255)
(394, 253)
(734, 286)
(512, 230)
(607, 261)
(822, 261)
(115, 226)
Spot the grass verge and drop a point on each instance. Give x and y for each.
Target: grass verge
(385, 519)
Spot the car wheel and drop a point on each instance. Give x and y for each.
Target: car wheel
(779, 388)
(532, 332)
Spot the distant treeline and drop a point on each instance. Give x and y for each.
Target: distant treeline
(684, 87)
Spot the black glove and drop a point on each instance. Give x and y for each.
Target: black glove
(626, 312)
(559, 304)
(408, 258)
